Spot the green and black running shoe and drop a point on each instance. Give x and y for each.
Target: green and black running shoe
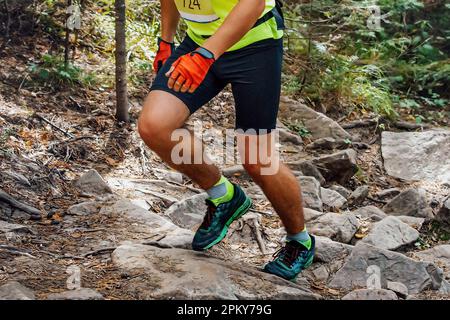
(217, 220)
(291, 260)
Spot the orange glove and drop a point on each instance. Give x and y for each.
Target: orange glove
(189, 71)
(165, 50)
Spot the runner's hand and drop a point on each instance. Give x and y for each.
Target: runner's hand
(189, 71)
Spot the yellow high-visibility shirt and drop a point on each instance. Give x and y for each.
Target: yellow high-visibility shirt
(204, 17)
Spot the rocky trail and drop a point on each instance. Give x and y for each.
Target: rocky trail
(88, 212)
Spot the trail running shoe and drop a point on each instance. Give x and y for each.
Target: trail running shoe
(292, 259)
(217, 220)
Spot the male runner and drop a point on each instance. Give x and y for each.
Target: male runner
(237, 42)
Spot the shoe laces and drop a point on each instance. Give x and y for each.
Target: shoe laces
(289, 253)
(210, 212)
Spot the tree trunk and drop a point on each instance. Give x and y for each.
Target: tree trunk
(121, 63)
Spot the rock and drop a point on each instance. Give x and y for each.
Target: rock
(399, 288)
(439, 255)
(151, 225)
(92, 183)
(359, 195)
(411, 202)
(444, 213)
(332, 199)
(84, 208)
(445, 287)
(417, 276)
(171, 176)
(13, 227)
(311, 214)
(78, 294)
(341, 190)
(255, 192)
(390, 234)
(288, 137)
(319, 125)
(370, 212)
(308, 169)
(413, 222)
(328, 250)
(328, 144)
(321, 273)
(371, 294)
(338, 227)
(141, 203)
(339, 167)
(186, 274)
(311, 193)
(403, 154)
(392, 192)
(188, 213)
(13, 290)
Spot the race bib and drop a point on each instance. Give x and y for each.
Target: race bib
(200, 11)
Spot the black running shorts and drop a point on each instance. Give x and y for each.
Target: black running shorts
(254, 73)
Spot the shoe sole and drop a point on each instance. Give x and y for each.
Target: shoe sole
(237, 214)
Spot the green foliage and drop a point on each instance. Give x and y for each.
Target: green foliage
(53, 71)
(143, 25)
(403, 65)
(297, 127)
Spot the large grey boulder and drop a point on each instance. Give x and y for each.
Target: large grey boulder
(338, 227)
(186, 274)
(339, 167)
(92, 183)
(78, 294)
(13, 290)
(188, 212)
(371, 294)
(417, 276)
(417, 155)
(411, 202)
(318, 124)
(390, 234)
(148, 224)
(311, 193)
